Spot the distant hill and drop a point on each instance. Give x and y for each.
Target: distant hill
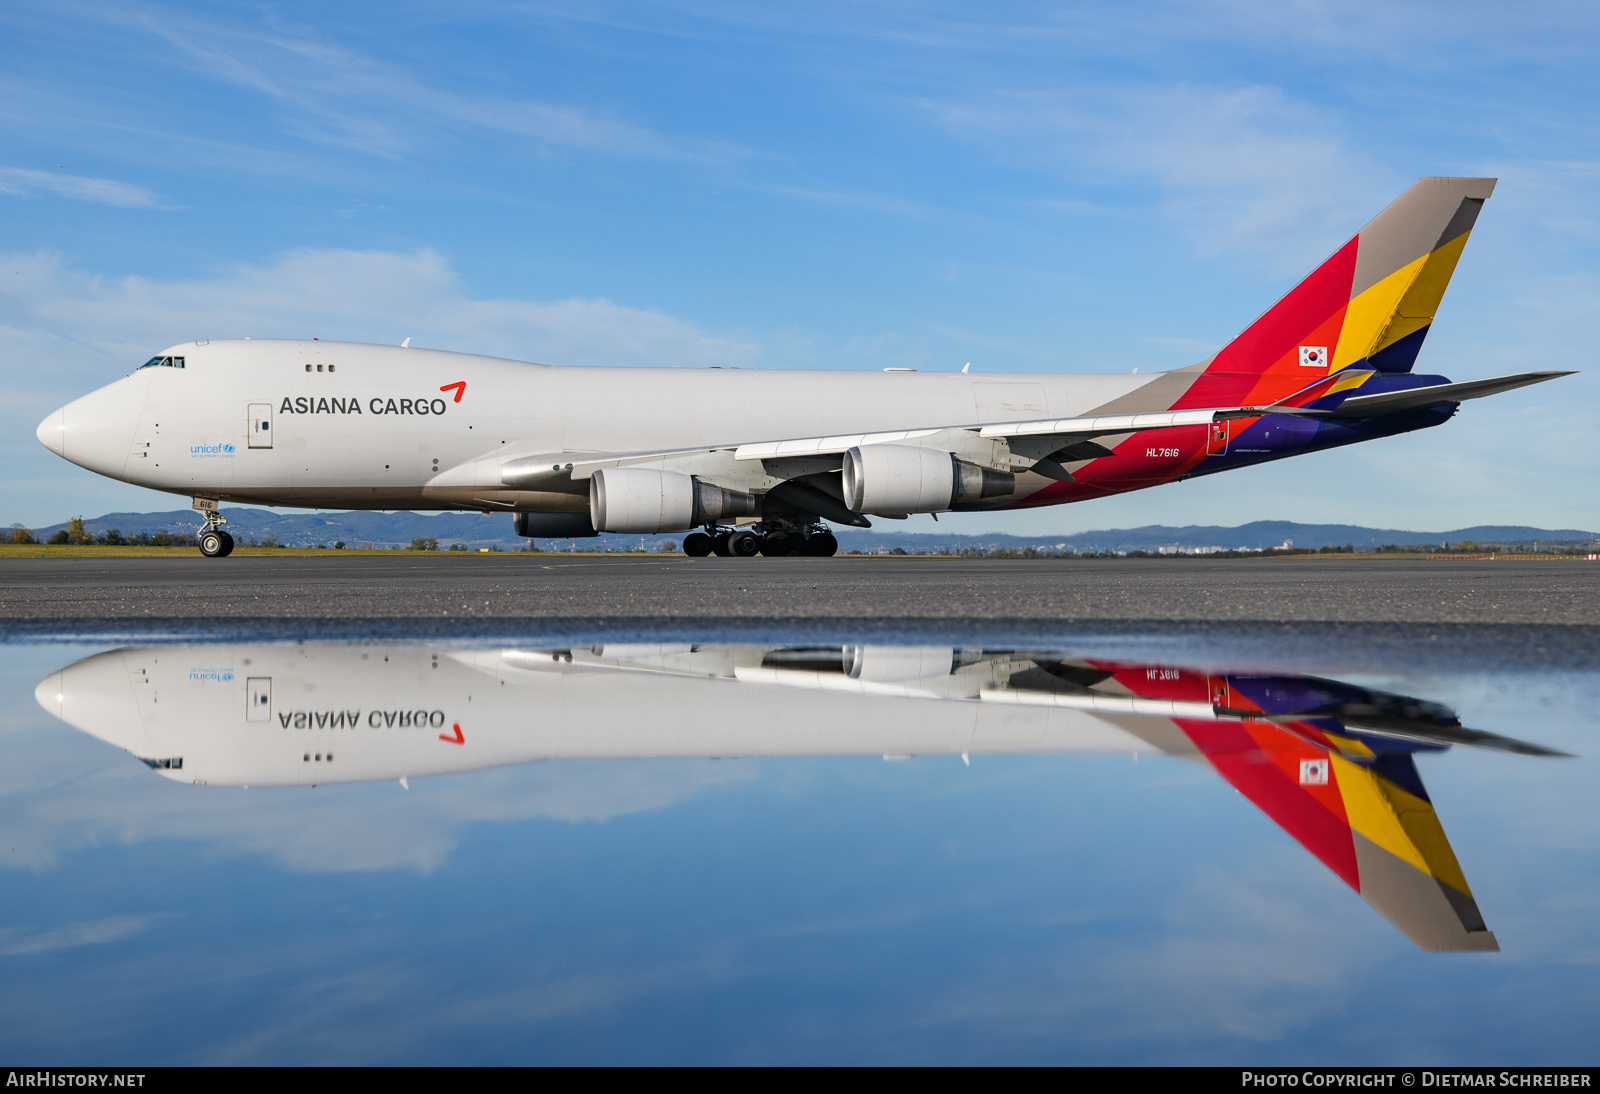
(1255, 535)
(398, 529)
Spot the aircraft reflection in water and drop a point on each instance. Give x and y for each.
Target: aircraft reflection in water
(1331, 763)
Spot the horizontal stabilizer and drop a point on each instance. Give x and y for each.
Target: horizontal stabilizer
(1450, 735)
(1417, 398)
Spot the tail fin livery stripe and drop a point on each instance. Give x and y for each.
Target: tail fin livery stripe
(1315, 821)
(1369, 305)
(1434, 916)
(1399, 822)
(1363, 812)
(1381, 839)
(1311, 314)
(1385, 324)
(1408, 871)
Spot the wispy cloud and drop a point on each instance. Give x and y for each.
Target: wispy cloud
(20, 181)
(1235, 167)
(15, 941)
(1244, 955)
(874, 203)
(355, 828)
(350, 295)
(338, 95)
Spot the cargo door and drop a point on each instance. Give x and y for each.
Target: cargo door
(260, 425)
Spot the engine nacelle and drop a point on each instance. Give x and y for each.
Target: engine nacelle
(897, 478)
(642, 499)
(553, 525)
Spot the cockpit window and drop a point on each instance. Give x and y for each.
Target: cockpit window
(163, 362)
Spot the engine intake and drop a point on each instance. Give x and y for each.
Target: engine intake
(642, 499)
(897, 478)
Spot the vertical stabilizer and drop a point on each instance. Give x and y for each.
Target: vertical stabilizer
(1371, 303)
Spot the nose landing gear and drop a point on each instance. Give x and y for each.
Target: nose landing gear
(214, 542)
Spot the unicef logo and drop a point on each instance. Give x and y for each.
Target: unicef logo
(211, 451)
(214, 676)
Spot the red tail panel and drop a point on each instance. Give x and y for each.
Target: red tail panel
(1314, 816)
(1263, 363)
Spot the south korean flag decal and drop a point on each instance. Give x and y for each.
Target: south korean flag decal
(1313, 356)
(1314, 772)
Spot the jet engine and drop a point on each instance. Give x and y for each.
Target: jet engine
(553, 525)
(895, 478)
(642, 499)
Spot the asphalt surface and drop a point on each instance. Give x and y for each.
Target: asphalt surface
(541, 589)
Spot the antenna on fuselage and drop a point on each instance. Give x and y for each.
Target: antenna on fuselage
(406, 344)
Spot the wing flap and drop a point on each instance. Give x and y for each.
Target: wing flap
(824, 446)
(1106, 424)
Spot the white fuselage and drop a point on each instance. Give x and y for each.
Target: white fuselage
(378, 427)
(266, 715)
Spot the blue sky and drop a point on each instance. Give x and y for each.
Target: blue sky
(1030, 188)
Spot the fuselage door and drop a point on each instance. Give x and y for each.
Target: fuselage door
(260, 425)
(1217, 439)
(258, 699)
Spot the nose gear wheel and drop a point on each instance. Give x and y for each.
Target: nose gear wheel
(214, 542)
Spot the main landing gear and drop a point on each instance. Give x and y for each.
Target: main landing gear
(773, 541)
(214, 542)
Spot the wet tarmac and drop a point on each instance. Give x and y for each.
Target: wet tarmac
(534, 589)
(429, 809)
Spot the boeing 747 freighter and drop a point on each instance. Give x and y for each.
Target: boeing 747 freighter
(758, 460)
(1333, 763)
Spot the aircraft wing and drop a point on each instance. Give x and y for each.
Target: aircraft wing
(1085, 428)
(1040, 443)
(535, 471)
(1069, 430)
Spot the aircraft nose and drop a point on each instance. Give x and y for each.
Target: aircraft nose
(52, 432)
(97, 430)
(48, 693)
